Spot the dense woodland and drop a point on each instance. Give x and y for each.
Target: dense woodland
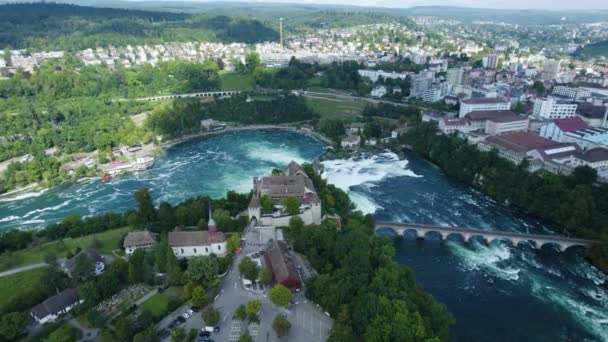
(575, 202)
(369, 295)
(51, 26)
(184, 115)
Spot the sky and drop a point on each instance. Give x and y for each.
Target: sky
(505, 4)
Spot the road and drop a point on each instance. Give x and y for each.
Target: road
(308, 323)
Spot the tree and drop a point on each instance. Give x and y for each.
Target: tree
(199, 296)
(265, 276)
(266, 203)
(137, 266)
(160, 255)
(202, 269)
(281, 325)
(249, 269)
(240, 313)
(211, 316)
(177, 335)
(254, 307)
(83, 267)
(245, 338)
(233, 243)
(292, 205)
(280, 295)
(12, 325)
(222, 219)
(584, 175)
(145, 206)
(95, 319)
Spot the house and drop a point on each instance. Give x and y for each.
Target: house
(53, 307)
(497, 121)
(378, 91)
(97, 259)
(399, 131)
(555, 129)
(139, 239)
(452, 125)
(282, 266)
(595, 158)
(350, 140)
(295, 183)
(355, 128)
(560, 153)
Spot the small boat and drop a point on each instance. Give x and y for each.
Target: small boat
(106, 178)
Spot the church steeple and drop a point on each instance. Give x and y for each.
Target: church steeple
(211, 224)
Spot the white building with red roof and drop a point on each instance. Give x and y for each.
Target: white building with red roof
(554, 130)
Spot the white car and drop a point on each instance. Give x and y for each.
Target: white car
(190, 312)
(186, 315)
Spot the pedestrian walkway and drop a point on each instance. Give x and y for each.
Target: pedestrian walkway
(146, 297)
(22, 269)
(236, 327)
(87, 334)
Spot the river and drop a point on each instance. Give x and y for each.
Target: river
(497, 292)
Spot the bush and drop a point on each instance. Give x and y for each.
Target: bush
(281, 325)
(211, 315)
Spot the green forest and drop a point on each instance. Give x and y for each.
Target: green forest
(575, 203)
(52, 26)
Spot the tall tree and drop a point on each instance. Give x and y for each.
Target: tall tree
(145, 206)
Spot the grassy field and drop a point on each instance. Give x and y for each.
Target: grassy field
(108, 241)
(235, 81)
(158, 305)
(19, 284)
(330, 108)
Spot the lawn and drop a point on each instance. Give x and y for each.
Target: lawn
(235, 81)
(158, 305)
(19, 285)
(330, 108)
(108, 241)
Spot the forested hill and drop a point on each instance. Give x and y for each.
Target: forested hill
(52, 26)
(593, 50)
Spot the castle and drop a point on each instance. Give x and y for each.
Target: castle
(295, 183)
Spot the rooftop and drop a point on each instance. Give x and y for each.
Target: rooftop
(55, 304)
(496, 115)
(195, 238)
(520, 141)
(590, 111)
(570, 124)
(484, 101)
(594, 155)
(139, 238)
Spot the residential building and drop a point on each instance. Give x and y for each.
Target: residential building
(419, 85)
(490, 61)
(499, 122)
(374, 75)
(186, 244)
(555, 129)
(57, 305)
(455, 76)
(588, 138)
(284, 271)
(378, 91)
(557, 154)
(551, 68)
(355, 128)
(571, 92)
(295, 183)
(452, 125)
(432, 95)
(94, 257)
(482, 104)
(595, 158)
(139, 239)
(551, 108)
(351, 140)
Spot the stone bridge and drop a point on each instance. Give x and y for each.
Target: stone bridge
(538, 240)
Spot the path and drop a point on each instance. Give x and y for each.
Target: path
(22, 269)
(87, 334)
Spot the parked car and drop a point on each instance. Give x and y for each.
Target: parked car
(195, 309)
(204, 333)
(181, 319)
(216, 329)
(185, 315)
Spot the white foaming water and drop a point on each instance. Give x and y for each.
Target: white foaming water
(53, 208)
(486, 258)
(348, 173)
(9, 218)
(280, 156)
(594, 319)
(21, 196)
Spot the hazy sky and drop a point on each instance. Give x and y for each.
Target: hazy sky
(511, 4)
